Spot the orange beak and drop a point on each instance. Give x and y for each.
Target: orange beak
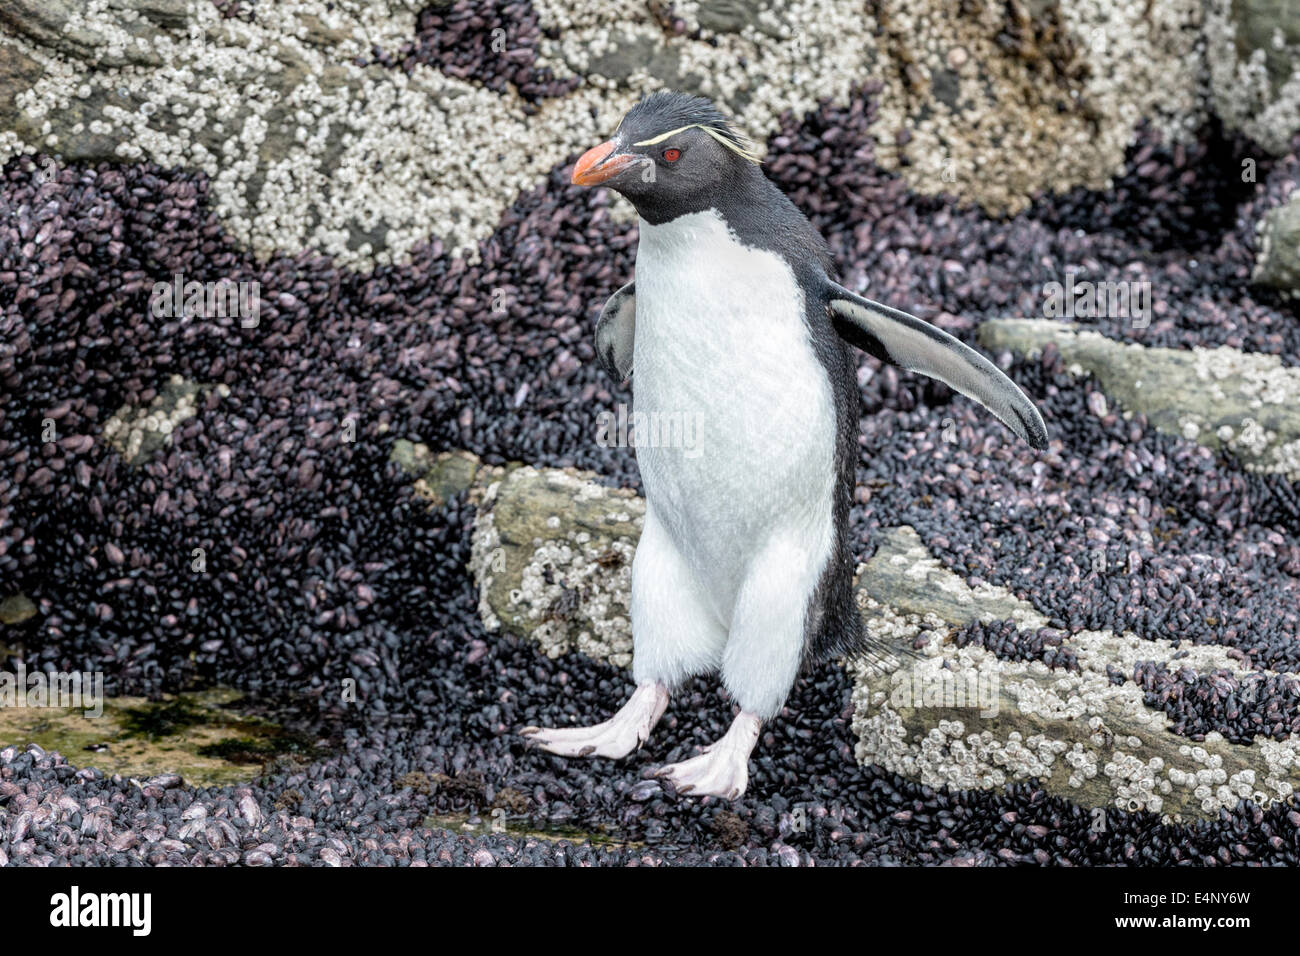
(598, 165)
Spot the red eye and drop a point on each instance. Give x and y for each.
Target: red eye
(672, 155)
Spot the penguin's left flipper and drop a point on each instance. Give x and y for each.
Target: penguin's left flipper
(908, 342)
(616, 331)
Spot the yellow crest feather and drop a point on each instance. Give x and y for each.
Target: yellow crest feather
(740, 147)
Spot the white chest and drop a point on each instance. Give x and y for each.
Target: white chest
(724, 362)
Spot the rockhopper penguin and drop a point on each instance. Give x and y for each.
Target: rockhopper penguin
(744, 564)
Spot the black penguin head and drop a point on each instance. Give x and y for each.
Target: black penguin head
(673, 153)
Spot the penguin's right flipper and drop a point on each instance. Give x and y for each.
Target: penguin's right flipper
(616, 331)
(908, 342)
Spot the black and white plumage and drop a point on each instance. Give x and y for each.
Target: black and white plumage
(615, 332)
(744, 566)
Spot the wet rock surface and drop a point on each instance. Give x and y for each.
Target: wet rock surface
(198, 739)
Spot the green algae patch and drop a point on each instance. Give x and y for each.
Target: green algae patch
(203, 736)
(483, 825)
(438, 475)
(16, 609)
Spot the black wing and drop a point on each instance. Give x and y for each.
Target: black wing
(908, 342)
(616, 331)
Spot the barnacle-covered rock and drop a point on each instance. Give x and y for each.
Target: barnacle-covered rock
(1278, 262)
(553, 560)
(1247, 403)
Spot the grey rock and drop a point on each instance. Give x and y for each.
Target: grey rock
(55, 24)
(129, 55)
(902, 575)
(552, 555)
(731, 16)
(439, 476)
(634, 53)
(963, 719)
(945, 85)
(18, 72)
(137, 433)
(1258, 23)
(1252, 51)
(1278, 262)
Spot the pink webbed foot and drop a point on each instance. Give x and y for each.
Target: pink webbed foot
(617, 737)
(723, 769)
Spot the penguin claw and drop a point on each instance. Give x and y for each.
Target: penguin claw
(602, 740)
(722, 769)
(614, 738)
(707, 776)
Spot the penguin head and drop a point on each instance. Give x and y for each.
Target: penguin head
(671, 153)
